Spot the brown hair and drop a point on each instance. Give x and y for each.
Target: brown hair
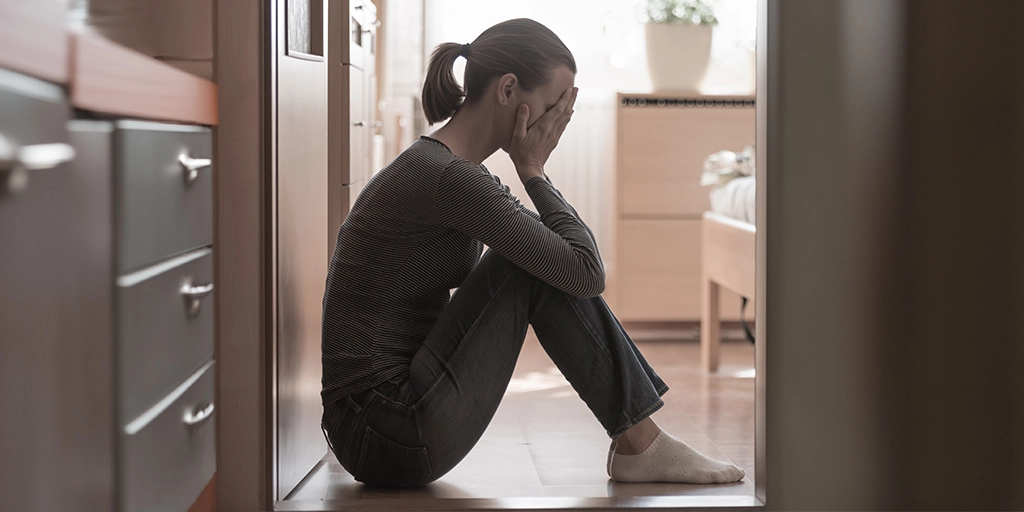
(523, 47)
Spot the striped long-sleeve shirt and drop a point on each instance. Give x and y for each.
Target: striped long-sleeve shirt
(415, 232)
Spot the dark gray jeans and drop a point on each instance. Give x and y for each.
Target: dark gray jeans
(411, 430)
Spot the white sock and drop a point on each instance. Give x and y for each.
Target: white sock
(668, 459)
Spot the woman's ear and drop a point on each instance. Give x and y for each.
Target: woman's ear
(506, 88)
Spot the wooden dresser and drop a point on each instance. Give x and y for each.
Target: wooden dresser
(662, 142)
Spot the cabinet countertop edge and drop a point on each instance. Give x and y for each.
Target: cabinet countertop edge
(109, 78)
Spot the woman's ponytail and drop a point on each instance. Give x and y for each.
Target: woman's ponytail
(441, 93)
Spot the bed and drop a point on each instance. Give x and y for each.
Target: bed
(727, 260)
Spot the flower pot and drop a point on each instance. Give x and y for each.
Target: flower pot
(677, 56)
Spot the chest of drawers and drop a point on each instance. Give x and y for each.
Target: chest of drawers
(162, 312)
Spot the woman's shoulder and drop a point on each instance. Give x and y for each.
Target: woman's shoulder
(428, 163)
(426, 157)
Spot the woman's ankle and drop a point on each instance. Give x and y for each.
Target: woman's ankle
(637, 438)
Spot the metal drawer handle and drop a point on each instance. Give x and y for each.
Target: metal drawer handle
(15, 162)
(193, 294)
(196, 419)
(192, 166)
(359, 123)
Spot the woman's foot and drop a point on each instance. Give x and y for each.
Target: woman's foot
(665, 459)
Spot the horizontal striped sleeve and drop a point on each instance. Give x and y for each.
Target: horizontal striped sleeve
(558, 249)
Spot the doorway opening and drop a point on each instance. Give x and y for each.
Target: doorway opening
(631, 164)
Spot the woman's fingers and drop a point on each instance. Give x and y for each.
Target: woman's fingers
(522, 118)
(557, 135)
(540, 138)
(532, 144)
(567, 113)
(551, 116)
(567, 109)
(551, 130)
(563, 101)
(572, 101)
(563, 123)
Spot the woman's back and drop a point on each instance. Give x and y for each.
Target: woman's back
(395, 263)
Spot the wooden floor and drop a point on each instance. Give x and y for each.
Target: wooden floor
(544, 442)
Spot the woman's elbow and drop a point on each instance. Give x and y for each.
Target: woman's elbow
(594, 285)
(589, 279)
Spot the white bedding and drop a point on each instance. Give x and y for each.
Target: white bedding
(736, 199)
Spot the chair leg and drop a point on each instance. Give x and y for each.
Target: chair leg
(710, 325)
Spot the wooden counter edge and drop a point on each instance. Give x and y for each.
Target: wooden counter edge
(109, 78)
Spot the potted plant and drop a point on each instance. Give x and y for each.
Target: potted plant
(678, 43)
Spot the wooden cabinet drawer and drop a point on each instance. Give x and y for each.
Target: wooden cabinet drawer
(662, 152)
(162, 334)
(168, 456)
(163, 207)
(659, 272)
(659, 269)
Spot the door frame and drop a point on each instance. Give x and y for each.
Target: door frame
(764, 32)
(244, 261)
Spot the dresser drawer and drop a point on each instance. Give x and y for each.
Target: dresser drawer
(164, 329)
(168, 455)
(163, 191)
(659, 272)
(662, 150)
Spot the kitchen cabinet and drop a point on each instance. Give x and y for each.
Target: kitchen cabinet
(106, 276)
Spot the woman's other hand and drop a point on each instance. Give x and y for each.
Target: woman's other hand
(531, 146)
